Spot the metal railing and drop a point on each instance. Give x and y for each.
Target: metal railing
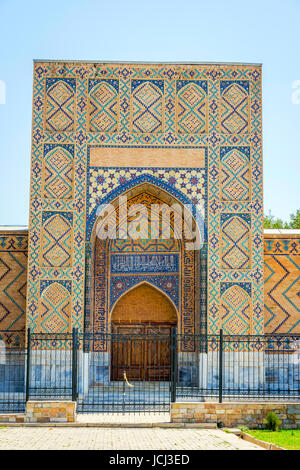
(238, 366)
(145, 372)
(12, 380)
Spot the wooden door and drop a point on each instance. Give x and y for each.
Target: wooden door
(128, 352)
(141, 351)
(139, 316)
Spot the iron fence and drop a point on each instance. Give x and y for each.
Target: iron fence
(238, 366)
(124, 372)
(12, 380)
(146, 372)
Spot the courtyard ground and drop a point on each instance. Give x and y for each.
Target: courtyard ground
(63, 438)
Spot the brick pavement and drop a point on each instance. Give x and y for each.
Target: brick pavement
(36, 438)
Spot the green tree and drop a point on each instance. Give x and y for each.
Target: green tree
(270, 221)
(295, 220)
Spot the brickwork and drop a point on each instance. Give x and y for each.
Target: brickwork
(13, 280)
(50, 412)
(12, 418)
(282, 281)
(234, 415)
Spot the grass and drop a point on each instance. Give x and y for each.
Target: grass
(287, 438)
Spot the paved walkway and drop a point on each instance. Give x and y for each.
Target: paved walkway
(119, 418)
(120, 439)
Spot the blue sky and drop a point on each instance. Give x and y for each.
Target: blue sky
(264, 31)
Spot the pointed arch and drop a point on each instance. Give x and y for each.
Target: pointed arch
(166, 192)
(160, 315)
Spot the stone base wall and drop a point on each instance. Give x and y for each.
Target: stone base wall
(50, 412)
(234, 415)
(12, 418)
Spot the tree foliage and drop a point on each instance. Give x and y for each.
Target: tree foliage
(270, 221)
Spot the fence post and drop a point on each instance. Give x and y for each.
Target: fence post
(28, 365)
(221, 366)
(173, 364)
(74, 364)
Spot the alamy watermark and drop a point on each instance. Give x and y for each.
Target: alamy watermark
(157, 221)
(2, 92)
(296, 92)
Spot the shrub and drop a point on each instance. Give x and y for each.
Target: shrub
(272, 422)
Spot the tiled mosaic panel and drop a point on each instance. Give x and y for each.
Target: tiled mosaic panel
(191, 109)
(60, 104)
(234, 107)
(235, 173)
(103, 105)
(148, 115)
(236, 308)
(13, 280)
(56, 239)
(58, 171)
(235, 245)
(147, 106)
(55, 308)
(282, 283)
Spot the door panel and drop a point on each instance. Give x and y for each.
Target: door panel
(141, 353)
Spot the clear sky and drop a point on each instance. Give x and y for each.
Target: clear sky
(260, 31)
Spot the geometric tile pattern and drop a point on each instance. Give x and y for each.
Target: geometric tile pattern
(191, 115)
(190, 181)
(235, 173)
(60, 104)
(236, 308)
(147, 99)
(57, 240)
(103, 105)
(55, 309)
(282, 284)
(58, 172)
(235, 241)
(233, 120)
(234, 107)
(13, 277)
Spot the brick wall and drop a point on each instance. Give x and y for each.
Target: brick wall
(233, 415)
(282, 281)
(13, 279)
